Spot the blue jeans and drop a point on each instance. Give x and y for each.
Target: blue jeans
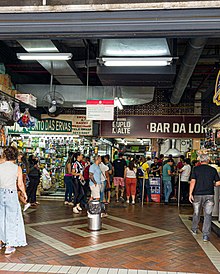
(147, 188)
(68, 180)
(102, 191)
(207, 202)
(167, 190)
(12, 231)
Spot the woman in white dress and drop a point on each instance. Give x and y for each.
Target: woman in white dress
(12, 232)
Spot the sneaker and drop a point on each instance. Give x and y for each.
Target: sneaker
(10, 250)
(194, 231)
(122, 199)
(26, 206)
(127, 202)
(133, 203)
(75, 210)
(66, 203)
(79, 207)
(205, 238)
(104, 215)
(117, 201)
(70, 203)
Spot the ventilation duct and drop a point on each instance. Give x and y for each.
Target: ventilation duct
(172, 150)
(189, 61)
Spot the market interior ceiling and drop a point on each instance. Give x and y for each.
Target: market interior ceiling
(192, 71)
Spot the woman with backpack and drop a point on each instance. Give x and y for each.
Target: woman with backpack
(131, 182)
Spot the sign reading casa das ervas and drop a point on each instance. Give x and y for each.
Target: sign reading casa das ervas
(154, 127)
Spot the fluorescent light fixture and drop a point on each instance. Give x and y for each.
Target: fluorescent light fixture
(136, 62)
(57, 56)
(43, 49)
(118, 103)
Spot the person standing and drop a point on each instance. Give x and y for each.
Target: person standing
(110, 172)
(166, 176)
(23, 164)
(77, 172)
(68, 180)
(104, 179)
(144, 179)
(34, 180)
(119, 166)
(131, 182)
(86, 187)
(155, 168)
(201, 194)
(95, 178)
(12, 232)
(185, 172)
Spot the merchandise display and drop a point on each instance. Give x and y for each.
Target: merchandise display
(52, 151)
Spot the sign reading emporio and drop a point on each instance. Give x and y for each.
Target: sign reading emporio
(154, 127)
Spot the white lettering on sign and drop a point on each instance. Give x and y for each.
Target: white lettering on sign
(176, 128)
(121, 126)
(160, 127)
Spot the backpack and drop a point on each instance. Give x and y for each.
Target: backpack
(140, 172)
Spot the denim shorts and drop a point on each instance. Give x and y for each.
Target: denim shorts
(12, 231)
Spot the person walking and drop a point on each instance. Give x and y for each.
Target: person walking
(34, 180)
(131, 182)
(119, 166)
(12, 232)
(201, 194)
(166, 176)
(77, 172)
(185, 172)
(68, 180)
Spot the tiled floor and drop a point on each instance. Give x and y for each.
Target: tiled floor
(153, 240)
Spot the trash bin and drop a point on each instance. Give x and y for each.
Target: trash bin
(94, 215)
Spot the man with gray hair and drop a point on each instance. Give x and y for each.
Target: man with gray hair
(201, 194)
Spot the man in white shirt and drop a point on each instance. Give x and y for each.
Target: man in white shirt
(184, 180)
(104, 179)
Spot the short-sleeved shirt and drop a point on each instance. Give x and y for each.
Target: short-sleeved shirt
(78, 168)
(205, 177)
(155, 167)
(109, 165)
(166, 176)
(103, 168)
(119, 167)
(185, 174)
(96, 171)
(145, 168)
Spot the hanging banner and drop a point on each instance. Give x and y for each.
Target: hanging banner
(100, 110)
(216, 97)
(153, 127)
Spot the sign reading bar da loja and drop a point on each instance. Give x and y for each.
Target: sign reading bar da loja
(154, 127)
(100, 110)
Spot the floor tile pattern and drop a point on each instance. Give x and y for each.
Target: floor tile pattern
(129, 247)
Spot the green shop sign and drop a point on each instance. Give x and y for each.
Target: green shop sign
(44, 125)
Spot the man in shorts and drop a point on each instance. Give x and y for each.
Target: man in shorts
(95, 178)
(119, 166)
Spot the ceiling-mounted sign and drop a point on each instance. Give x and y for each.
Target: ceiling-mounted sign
(80, 125)
(100, 110)
(45, 125)
(153, 127)
(216, 97)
